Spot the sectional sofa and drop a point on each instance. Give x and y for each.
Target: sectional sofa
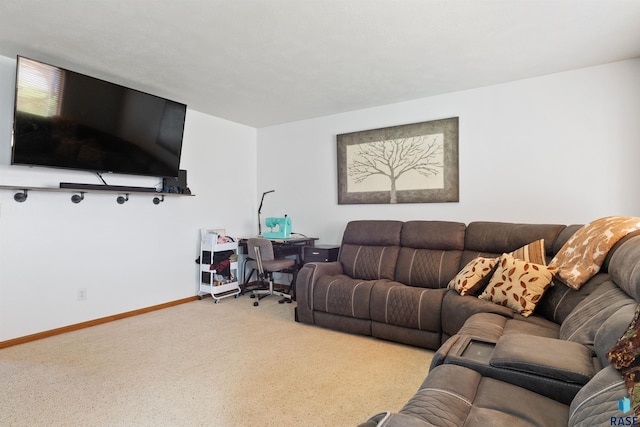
(539, 358)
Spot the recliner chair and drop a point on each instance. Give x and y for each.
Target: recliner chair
(266, 265)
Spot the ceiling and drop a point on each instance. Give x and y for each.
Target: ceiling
(265, 62)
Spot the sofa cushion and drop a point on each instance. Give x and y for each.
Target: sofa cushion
(491, 327)
(495, 238)
(343, 295)
(373, 233)
(401, 305)
(430, 253)
(370, 249)
(474, 276)
(560, 300)
(582, 324)
(369, 262)
(624, 266)
(427, 268)
(474, 400)
(456, 310)
(441, 235)
(518, 284)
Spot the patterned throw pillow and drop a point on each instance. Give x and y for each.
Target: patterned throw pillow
(581, 257)
(533, 252)
(474, 276)
(518, 284)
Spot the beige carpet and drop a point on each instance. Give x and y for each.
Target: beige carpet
(206, 364)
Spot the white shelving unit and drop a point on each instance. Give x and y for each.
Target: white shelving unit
(210, 280)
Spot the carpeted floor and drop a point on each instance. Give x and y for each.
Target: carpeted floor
(206, 364)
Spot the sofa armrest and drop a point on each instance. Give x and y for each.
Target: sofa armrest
(561, 360)
(554, 368)
(306, 280)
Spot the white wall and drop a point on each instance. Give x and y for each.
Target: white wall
(127, 256)
(561, 149)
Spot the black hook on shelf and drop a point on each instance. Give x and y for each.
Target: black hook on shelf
(77, 198)
(121, 199)
(20, 197)
(157, 201)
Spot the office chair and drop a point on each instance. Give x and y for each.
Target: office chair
(266, 266)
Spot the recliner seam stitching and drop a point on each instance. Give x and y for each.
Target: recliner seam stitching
(355, 261)
(459, 396)
(380, 262)
(353, 306)
(420, 309)
(413, 258)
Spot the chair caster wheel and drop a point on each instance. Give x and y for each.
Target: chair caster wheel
(255, 304)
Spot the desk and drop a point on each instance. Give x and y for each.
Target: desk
(292, 246)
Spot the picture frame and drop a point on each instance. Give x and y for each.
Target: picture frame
(412, 163)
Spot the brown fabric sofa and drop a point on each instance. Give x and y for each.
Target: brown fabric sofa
(550, 368)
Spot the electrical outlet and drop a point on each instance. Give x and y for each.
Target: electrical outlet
(82, 294)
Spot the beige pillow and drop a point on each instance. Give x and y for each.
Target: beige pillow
(518, 284)
(533, 252)
(473, 276)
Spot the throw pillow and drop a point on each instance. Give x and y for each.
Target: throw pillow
(518, 284)
(581, 257)
(625, 357)
(473, 276)
(533, 252)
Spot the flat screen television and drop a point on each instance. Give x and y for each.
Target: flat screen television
(65, 119)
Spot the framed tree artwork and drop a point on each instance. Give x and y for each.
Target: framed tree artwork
(414, 163)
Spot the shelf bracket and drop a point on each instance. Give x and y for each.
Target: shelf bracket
(77, 198)
(20, 197)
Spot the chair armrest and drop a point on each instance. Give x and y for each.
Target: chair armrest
(306, 280)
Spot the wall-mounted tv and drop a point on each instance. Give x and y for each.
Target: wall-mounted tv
(65, 119)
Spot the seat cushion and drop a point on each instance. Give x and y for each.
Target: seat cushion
(343, 296)
(278, 264)
(491, 327)
(401, 305)
(473, 400)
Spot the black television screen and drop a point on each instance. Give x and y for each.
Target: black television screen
(69, 120)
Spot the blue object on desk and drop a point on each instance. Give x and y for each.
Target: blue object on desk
(284, 228)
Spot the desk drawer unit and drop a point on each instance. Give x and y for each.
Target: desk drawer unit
(321, 253)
